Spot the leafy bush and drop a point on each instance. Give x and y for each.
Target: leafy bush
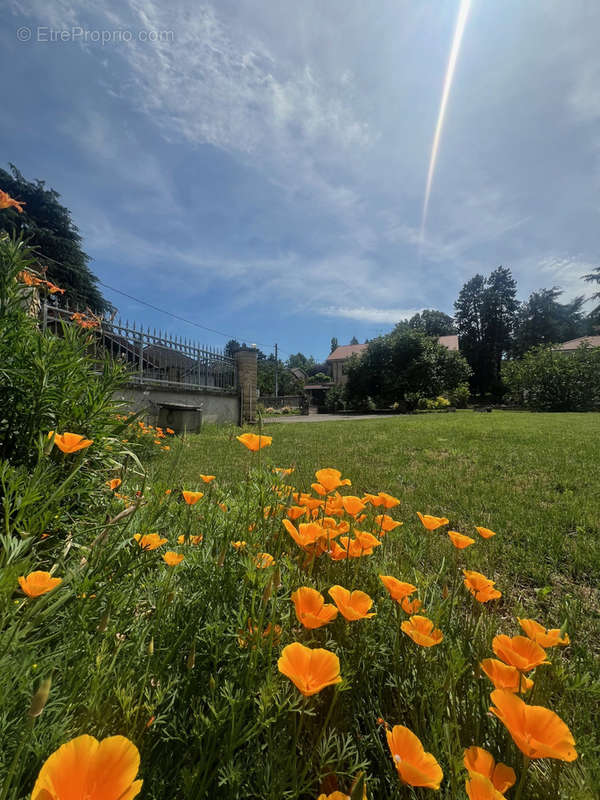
(403, 367)
(334, 399)
(551, 380)
(460, 396)
(433, 404)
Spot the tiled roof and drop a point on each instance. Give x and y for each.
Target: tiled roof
(345, 351)
(573, 344)
(451, 342)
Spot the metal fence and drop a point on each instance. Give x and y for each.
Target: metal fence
(152, 357)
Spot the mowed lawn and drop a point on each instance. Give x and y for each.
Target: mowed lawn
(532, 478)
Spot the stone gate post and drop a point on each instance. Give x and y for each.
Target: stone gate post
(246, 363)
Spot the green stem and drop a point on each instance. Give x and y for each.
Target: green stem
(522, 779)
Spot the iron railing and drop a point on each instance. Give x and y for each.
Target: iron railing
(152, 357)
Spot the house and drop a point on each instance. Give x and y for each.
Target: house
(573, 344)
(338, 360)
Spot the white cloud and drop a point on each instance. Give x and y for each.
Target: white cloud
(364, 314)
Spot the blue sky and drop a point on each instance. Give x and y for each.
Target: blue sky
(259, 167)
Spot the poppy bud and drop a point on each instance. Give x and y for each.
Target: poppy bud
(191, 659)
(212, 683)
(40, 698)
(103, 624)
(170, 597)
(151, 647)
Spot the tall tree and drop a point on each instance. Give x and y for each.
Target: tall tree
(301, 361)
(47, 225)
(354, 340)
(432, 323)
(500, 317)
(231, 347)
(334, 344)
(469, 318)
(544, 320)
(594, 277)
(486, 314)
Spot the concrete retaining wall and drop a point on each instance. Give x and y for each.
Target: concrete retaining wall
(217, 405)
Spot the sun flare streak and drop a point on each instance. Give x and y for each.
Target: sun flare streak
(461, 21)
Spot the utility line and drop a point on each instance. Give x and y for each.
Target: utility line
(150, 305)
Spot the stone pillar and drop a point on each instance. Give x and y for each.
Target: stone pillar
(246, 364)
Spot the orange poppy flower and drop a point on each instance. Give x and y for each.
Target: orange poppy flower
(6, 201)
(432, 523)
(543, 637)
(362, 544)
(239, 545)
(264, 560)
(283, 471)
(481, 588)
(308, 501)
(334, 796)
(306, 534)
(537, 731)
(114, 484)
(208, 478)
(478, 787)
(38, 583)
(479, 762)
(353, 505)
(411, 606)
(85, 767)
(295, 512)
(309, 670)
(421, 631)
(311, 609)
(415, 767)
(223, 507)
(170, 431)
(254, 442)
(70, 442)
(386, 523)
(398, 589)
(334, 506)
(191, 498)
(459, 540)
(387, 500)
(331, 479)
(318, 489)
(149, 541)
(504, 676)
(519, 652)
(192, 539)
(351, 605)
(485, 532)
(171, 558)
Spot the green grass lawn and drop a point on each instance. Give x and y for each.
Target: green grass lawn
(533, 478)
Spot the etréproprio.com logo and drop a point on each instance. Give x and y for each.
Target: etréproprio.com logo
(77, 34)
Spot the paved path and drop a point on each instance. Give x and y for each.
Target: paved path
(324, 417)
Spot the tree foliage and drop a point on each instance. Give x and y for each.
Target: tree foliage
(47, 226)
(432, 323)
(402, 367)
(554, 380)
(542, 319)
(486, 317)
